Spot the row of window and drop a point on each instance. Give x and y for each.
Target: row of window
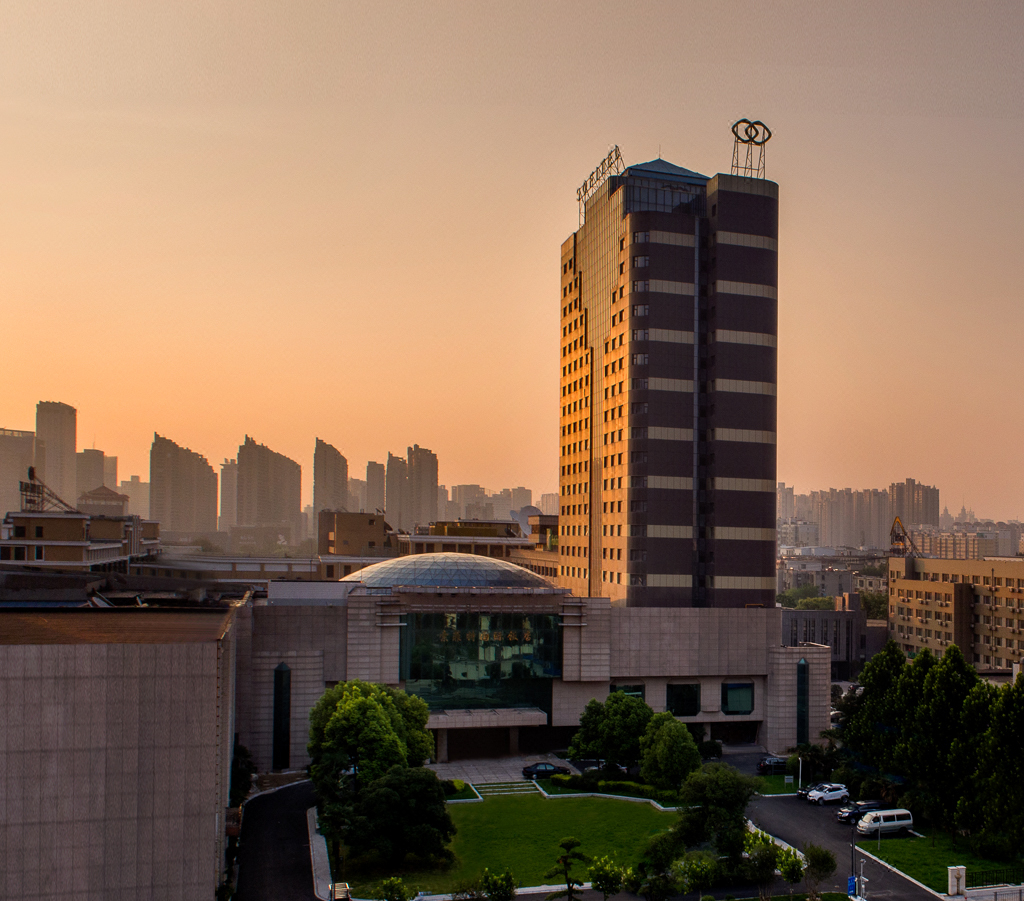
(575, 488)
(571, 510)
(571, 551)
(568, 470)
(572, 530)
(19, 552)
(20, 532)
(577, 447)
(579, 425)
(574, 572)
(955, 578)
(575, 385)
(613, 390)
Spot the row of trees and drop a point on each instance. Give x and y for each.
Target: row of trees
(946, 741)
(367, 746)
(624, 731)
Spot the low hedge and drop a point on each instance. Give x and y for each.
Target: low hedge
(587, 783)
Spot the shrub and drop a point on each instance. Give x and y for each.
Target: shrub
(392, 889)
(498, 887)
(710, 750)
(452, 786)
(459, 784)
(994, 846)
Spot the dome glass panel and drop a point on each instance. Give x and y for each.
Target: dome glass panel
(447, 571)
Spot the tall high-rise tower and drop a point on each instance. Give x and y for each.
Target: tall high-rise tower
(228, 495)
(375, 476)
(668, 374)
(396, 490)
(330, 479)
(269, 488)
(57, 428)
(182, 488)
(422, 485)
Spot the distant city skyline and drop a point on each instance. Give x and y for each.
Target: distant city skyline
(183, 192)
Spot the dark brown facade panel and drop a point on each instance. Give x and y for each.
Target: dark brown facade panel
(744, 411)
(745, 264)
(745, 213)
(749, 559)
(725, 597)
(745, 361)
(745, 314)
(755, 509)
(659, 597)
(743, 460)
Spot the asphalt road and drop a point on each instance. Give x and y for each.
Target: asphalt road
(795, 821)
(273, 856)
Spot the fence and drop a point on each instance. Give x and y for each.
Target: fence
(1001, 876)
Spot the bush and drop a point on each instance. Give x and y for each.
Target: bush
(452, 786)
(498, 887)
(994, 847)
(392, 889)
(710, 750)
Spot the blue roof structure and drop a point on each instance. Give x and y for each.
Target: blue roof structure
(447, 571)
(663, 168)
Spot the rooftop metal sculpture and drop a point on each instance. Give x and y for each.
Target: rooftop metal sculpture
(753, 135)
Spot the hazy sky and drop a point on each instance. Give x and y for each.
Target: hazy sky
(343, 220)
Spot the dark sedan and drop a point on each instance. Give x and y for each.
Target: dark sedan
(851, 813)
(771, 766)
(543, 770)
(807, 789)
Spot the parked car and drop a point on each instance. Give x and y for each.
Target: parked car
(543, 770)
(888, 822)
(829, 791)
(853, 812)
(771, 766)
(807, 789)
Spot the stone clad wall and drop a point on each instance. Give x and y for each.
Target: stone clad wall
(113, 775)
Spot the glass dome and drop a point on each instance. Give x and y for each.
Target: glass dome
(447, 571)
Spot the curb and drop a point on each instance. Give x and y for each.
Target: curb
(521, 890)
(318, 858)
(653, 804)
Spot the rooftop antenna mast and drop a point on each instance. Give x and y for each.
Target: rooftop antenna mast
(36, 497)
(752, 135)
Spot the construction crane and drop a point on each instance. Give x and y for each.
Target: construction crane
(36, 497)
(900, 543)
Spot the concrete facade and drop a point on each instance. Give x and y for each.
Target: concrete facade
(114, 774)
(331, 632)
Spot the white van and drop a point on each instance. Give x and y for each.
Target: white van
(888, 822)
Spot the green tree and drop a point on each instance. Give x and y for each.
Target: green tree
(906, 703)
(873, 720)
(392, 889)
(605, 876)
(1001, 771)
(696, 872)
(821, 864)
(564, 864)
(712, 804)
(938, 782)
(669, 753)
(498, 886)
(791, 596)
(791, 867)
(875, 604)
(825, 603)
(762, 862)
(403, 811)
(966, 756)
(611, 731)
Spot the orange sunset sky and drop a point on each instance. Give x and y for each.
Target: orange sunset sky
(343, 220)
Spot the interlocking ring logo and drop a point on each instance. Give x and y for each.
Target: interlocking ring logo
(755, 132)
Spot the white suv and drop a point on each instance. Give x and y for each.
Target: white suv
(829, 791)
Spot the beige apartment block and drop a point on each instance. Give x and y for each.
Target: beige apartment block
(118, 728)
(976, 604)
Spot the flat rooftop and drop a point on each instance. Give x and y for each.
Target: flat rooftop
(91, 625)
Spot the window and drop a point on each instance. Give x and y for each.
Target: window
(682, 700)
(638, 506)
(640, 359)
(641, 262)
(39, 532)
(640, 238)
(19, 531)
(637, 579)
(638, 384)
(803, 706)
(633, 691)
(638, 408)
(641, 286)
(638, 531)
(737, 698)
(640, 309)
(640, 334)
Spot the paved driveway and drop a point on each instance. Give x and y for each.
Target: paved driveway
(273, 856)
(497, 769)
(796, 822)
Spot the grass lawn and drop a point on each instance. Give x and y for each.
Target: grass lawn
(776, 785)
(522, 832)
(925, 862)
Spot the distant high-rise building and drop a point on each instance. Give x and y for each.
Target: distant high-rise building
(549, 504)
(375, 492)
(396, 490)
(57, 428)
(521, 497)
(17, 454)
(914, 503)
(501, 504)
(182, 488)
(784, 505)
(357, 494)
(110, 472)
(138, 496)
(269, 488)
(465, 495)
(228, 495)
(422, 464)
(668, 390)
(89, 468)
(330, 479)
